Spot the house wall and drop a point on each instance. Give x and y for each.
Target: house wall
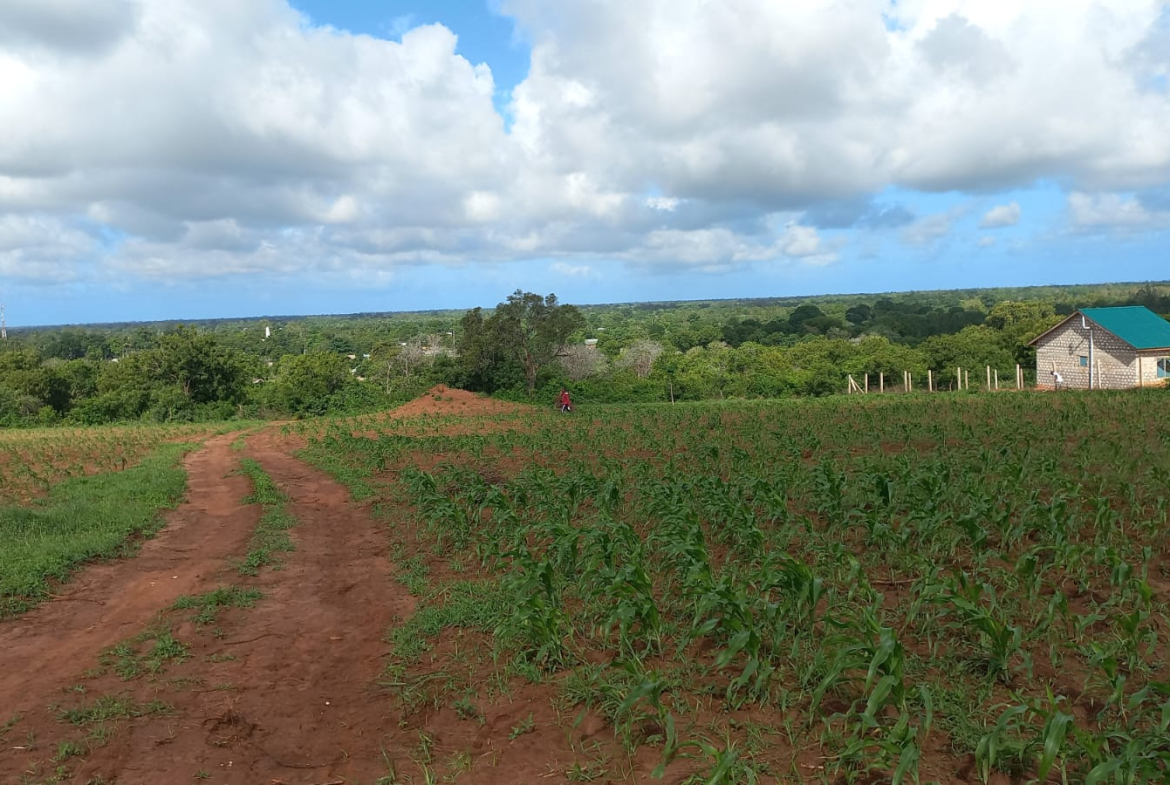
(1150, 368)
(1116, 360)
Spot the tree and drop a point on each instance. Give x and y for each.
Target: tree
(476, 350)
(530, 329)
(640, 356)
(305, 382)
(198, 364)
(581, 361)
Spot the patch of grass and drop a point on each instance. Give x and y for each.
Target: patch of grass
(208, 604)
(412, 573)
(112, 707)
(467, 710)
(271, 536)
(82, 519)
(220, 658)
(466, 605)
(9, 724)
(67, 750)
(129, 660)
(99, 735)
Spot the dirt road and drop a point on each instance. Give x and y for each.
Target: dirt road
(282, 692)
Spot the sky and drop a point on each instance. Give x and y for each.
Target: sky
(188, 159)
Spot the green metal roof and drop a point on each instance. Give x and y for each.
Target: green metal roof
(1137, 325)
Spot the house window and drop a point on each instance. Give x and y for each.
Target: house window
(1164, 368)
(1084, 361)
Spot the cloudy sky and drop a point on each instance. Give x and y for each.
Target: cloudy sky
(208, 158)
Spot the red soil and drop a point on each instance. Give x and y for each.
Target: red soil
(287, 691)
(443, 401)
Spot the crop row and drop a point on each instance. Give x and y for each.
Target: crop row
(906, 588)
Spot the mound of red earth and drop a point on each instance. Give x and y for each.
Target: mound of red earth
(443, 401)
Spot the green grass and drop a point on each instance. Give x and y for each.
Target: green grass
(271, 536)
(112, 707)
(82, 519)
(460, 605)
(208, 605)
(132, 658)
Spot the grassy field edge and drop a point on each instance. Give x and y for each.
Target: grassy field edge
(82, 519)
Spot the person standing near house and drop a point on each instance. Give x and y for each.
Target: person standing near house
(1057, 380)
(565, 402)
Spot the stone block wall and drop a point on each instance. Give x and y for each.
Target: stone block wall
(1063, 349)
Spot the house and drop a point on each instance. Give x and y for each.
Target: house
(1105, 348)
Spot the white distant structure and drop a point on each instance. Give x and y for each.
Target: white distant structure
(3, 329)
(267, 332)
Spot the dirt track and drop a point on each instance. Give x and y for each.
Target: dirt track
(108, 602)
(284, 692)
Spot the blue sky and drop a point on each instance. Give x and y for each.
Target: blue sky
(169, 160)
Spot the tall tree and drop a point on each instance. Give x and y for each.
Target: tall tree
(533, 330)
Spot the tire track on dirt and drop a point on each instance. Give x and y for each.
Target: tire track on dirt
(45, 649)
(289, 694)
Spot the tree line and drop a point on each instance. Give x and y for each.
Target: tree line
(527, 347)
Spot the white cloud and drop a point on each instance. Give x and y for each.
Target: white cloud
(930, 229)
(986, 241)
(664, 203)
(42, 249)
(801, 241)
(1113, 211)
(574, 270)
(232, 136)
(1001, 216)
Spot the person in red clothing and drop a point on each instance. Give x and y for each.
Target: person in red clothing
(565, 403)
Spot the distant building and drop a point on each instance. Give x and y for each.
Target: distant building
(1105, 349)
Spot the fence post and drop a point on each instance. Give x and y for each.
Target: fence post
(967, 380)
(996, 379)
(959, 374)
(1019, 378)
(882, 382)
(989, 378)
(867, 382)
(929, 380)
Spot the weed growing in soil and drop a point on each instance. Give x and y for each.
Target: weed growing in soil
(9, 724)
(110, 707)
(271, 534)
(131, 658)
(208, 605)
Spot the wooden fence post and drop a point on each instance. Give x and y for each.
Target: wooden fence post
(929, 380)
(989, 378)
(867, 382)
(1019, 377)
(967, 380)
(997, 379)
(882, 382)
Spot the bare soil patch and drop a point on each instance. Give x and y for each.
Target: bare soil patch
(444, 401)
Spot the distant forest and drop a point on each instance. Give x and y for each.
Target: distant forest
(636, 352)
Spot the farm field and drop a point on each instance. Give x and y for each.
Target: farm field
(34, 460)
(947, 588)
